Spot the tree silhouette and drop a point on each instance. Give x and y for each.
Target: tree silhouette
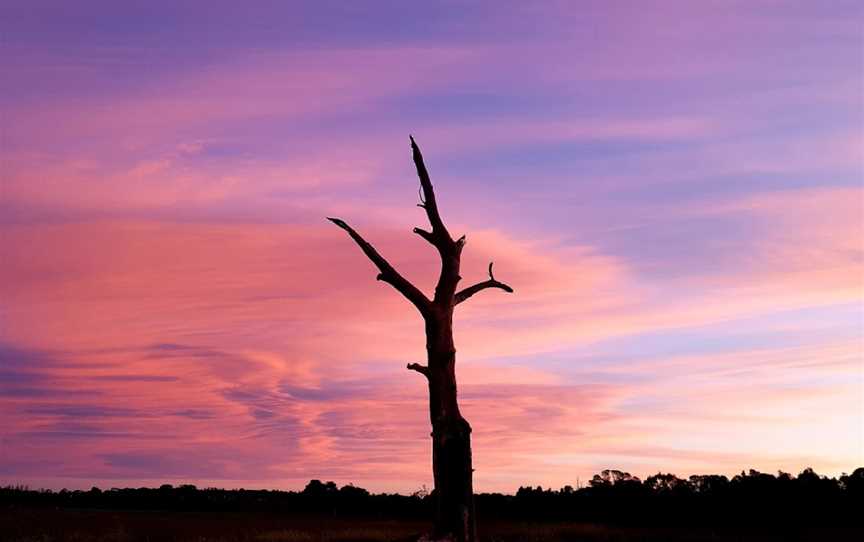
(613, 477)
(451, 433)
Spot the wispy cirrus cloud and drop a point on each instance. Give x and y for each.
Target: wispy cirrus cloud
(678, 211)
(323, 396)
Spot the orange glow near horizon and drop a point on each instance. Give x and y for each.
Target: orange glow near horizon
(687, 260)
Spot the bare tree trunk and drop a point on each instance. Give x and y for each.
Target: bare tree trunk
(451, 441)
(451, 433)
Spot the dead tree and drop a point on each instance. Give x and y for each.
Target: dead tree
(451, 433)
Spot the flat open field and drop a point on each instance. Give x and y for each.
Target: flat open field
(44, 525)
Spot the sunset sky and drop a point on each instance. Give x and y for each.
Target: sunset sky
(674, 190)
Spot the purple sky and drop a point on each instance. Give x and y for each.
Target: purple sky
(673, 188)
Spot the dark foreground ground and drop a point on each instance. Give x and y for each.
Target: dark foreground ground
(44, 525)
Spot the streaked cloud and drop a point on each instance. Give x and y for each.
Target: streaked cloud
(678, 210)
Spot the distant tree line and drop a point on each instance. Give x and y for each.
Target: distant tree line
(748, 498)
(610, 497)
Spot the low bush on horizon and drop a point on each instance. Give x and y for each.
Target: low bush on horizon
(615, 506)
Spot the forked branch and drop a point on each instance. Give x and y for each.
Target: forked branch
(428, 202)
(462, 295)
(387, 273)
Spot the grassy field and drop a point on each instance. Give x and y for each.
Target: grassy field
(49, 525)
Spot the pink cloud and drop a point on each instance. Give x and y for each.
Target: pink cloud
(254, 339)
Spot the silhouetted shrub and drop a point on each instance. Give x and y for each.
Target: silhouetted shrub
(612, 496)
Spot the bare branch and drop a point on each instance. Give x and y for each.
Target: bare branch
(422, 369)
(449, 250)
(387, 273)
(464, 294)
(428, 201)
(424, 234)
